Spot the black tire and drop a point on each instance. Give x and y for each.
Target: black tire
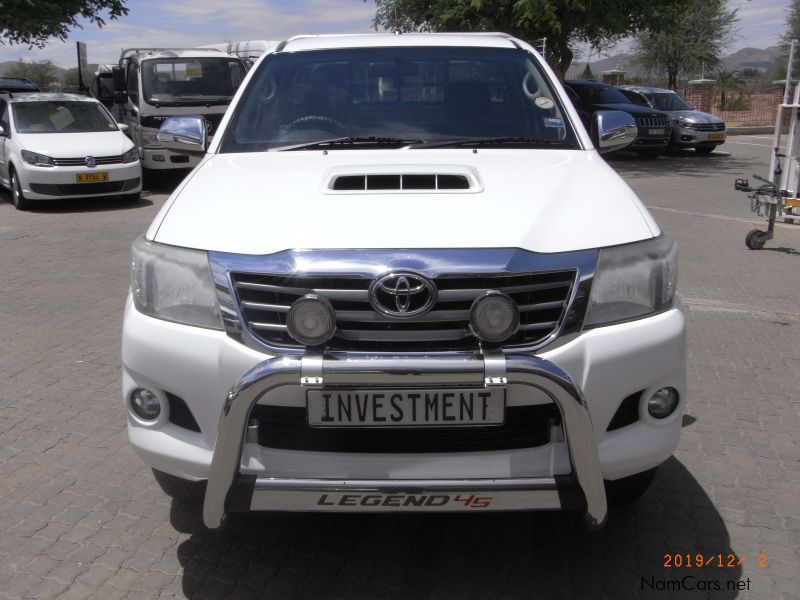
(756, 239)
(183, 490)
(629, 489)
(704, 149)
(18, 199)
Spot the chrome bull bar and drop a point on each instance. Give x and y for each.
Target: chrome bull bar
(227, 489)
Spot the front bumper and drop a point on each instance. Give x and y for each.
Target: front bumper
(52, 183)
(683, 137)
(229, 490)
(161, 158)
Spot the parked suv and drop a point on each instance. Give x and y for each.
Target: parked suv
(690, 128)
(402, 279)
(18, 85)
(653, 127)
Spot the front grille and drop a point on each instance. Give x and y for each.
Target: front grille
(81, 162)
(652, 122)
(709, 127)
(265, 300)
(286, 428)
(82, 189)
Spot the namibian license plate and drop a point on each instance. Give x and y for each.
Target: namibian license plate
(657, 131)
(406, 408)
(91, 177)
(716, 136)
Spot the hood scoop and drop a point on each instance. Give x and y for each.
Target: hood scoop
(426, 180)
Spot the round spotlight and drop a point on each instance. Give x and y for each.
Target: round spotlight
(145, 404)
(311, 320)
(494, 317)
(663, 403)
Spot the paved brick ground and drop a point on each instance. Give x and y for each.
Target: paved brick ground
(81, 517)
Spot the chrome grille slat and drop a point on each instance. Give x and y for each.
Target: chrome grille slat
(264, 300)
(652, 121)
(81, 162)
(368, 316)
(424, 335)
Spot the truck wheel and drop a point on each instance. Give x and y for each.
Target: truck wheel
(629, 489)
(17, 197)
(756, 239)
(189, 492)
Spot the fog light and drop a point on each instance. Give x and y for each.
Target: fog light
(494, 317)
(311, 320)
(145, 404)
(663, 403)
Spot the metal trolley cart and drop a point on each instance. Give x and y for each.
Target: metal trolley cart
(778, 197)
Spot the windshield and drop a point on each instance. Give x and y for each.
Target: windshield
(61, 117)
(415, 95)
(669, 101)
(600, 94)
(191, 80)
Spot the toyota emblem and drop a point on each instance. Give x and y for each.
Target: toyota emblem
(90, 161)
(402, 295)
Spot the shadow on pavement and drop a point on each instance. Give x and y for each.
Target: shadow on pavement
(686, 162)
(784, 250)
(82, 205)
(460, 556)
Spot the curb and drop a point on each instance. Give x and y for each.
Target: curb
(751, 130)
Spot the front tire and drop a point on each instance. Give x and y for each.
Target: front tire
(183, 490)
(704, 149)
(131, 198)
(18, 199)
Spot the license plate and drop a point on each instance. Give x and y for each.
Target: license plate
(406, 408)
(716, 136)
(91, 177)
(657, 131)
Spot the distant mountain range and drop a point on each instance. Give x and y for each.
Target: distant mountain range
(746, 58)
(5, 66)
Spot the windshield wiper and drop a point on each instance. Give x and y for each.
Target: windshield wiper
(351, 142)
(526, 142)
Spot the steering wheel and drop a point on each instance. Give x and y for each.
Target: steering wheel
(316, 122)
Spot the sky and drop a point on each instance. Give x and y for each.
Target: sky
(181, 23)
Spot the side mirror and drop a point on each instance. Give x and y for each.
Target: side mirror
(2, 131)
(184, 134)
(612, 130)
(118, 76)
(122, 127)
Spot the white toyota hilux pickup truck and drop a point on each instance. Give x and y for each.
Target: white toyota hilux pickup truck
(402, 278)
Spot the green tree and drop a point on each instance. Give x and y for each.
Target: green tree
(565, 23)
(71, 82)
(727, 84)
(792, 33)
(689, 40)
(41, 72)
(34, 22)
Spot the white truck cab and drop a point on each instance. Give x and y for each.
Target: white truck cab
(402, 278)
(157, 83)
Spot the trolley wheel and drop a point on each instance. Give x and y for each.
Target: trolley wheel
(756, 239)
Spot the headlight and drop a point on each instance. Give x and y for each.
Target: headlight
(149, 138)
(38, 160)
(174, 284)
(131, 155)
(633, 280)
